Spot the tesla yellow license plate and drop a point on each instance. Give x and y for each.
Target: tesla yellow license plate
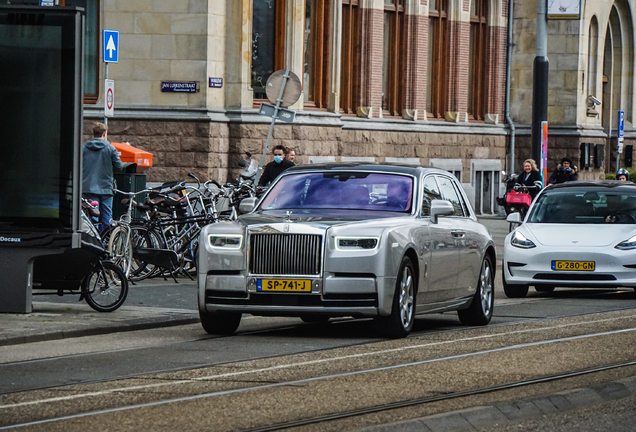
(287, 285)
(573, 265)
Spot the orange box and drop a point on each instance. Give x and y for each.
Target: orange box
(128, 153)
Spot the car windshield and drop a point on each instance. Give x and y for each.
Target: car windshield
(341, 190)
(586, 205)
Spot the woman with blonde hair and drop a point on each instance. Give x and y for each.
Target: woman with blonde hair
(530, 175)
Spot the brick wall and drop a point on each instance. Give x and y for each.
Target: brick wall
(496, 70)
(371, 46)
(415, 60)
(458, 62)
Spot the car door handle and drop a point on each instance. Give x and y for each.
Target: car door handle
(458, 234)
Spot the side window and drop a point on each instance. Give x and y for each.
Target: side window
(430, 191)
(449, 194)
(462, 201)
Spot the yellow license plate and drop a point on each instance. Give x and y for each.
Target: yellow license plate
(287, 285)
(573, 265)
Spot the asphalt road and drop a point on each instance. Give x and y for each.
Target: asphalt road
(278, 370)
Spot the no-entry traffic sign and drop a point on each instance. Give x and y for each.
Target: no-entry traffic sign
(109, 98)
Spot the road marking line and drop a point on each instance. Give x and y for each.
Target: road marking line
(312, 379)
(294, 365)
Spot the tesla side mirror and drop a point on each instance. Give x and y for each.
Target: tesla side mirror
(440, 208)
(247, 205)
(514, 218)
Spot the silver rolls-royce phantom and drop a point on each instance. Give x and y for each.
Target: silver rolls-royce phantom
(362, 240)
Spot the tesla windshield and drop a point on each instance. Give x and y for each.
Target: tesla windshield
(586, 205)
(342, 190)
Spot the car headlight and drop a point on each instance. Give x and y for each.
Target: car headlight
(520, 241)
(226, 241)
(628, 244)
(357, 243)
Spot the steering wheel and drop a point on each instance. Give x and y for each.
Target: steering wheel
(629, 215)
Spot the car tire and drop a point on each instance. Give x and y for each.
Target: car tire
(220, 323)
(480, 310)
(315, 318)
(400, 323)
(544, 288)
(513, 291)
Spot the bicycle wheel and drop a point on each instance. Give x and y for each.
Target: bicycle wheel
(105, 288)
(120, 248)
(142, 237)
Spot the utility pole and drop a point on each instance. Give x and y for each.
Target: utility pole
(540, 80)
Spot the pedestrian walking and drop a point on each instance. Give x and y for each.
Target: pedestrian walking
(99, 160)
(276, 167)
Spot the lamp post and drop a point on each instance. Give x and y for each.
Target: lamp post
(540, 80)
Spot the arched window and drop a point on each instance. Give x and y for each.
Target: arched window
(592, 49)
(477, 55)
(437, 58)
(268, 42)
(393, 58)
(350, 56)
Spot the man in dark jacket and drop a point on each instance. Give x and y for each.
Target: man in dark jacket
(275, 168)
(100, 158)
(564, 172)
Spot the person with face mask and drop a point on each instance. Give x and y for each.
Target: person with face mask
(275, 168)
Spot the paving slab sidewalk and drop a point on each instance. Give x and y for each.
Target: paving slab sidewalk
(50, 321)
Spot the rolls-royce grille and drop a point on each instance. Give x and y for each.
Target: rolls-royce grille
(285, 254)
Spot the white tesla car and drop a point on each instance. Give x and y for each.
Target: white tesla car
(577, 234)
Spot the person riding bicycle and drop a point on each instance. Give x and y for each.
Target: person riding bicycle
(622, 174)
(530, 176)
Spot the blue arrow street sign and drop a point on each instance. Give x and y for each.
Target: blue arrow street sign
(621, 123)
(110, 46)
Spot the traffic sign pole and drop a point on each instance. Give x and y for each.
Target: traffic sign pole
(105, 78)
(271, 126)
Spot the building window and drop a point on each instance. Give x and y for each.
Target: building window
(316, 52)
(437, 58)
(393, 57)
(268, 41)
(350, 57)
(477, 55)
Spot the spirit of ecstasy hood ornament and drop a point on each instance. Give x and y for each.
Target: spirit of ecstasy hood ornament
(289, 216)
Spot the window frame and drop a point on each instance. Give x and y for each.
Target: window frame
(317, 52)
(433, 177)
(279, 45)
(436, 85)
(477, 90)
(393, 100)
(350, 50)
(461, 205)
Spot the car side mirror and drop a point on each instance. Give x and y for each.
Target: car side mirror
(247, 205)
(514, 218)
(440, 208)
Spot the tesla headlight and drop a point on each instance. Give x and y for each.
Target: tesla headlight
(520, 241)
(628, 244)
(226, 241)
(357, 243)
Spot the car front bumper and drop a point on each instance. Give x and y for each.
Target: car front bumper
(613, 268)
(331, 295)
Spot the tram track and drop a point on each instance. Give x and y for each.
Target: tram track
(436, 398)
(335, 376)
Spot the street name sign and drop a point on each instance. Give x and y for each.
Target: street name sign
(110, 46)
(284, 115)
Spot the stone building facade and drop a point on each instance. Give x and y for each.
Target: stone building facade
(591, 58)
(411, 81)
